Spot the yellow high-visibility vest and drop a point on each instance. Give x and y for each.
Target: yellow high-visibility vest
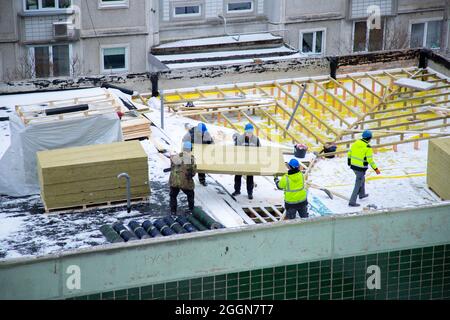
(361, 155)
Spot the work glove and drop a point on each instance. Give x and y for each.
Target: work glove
(349, 162)
(377, 171)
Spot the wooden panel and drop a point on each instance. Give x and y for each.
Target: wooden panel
(82, 198)
(239, 160)
(88, 175)
(137, 178)
(91, 154)
(438, 170)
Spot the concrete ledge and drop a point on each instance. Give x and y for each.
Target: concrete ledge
(151, 261)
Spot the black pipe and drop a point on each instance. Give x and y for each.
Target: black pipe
(68, 109)
(110, 234)
(175, 226)
(154, 80)
(138, 230)
(151, 229)
(163, 227)
(185, 224)
(423, 58)
(111, 86)
(126, 234)
(334, 61)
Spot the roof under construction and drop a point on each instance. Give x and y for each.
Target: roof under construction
(319, 110)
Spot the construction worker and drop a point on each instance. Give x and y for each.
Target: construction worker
(199, 135)
(248, 139)
(295, 193)
(360, 156)
(183, 170)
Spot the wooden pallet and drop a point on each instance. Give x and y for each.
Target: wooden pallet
(96, 206)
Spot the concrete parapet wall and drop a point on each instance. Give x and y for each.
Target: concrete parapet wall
(210, 253)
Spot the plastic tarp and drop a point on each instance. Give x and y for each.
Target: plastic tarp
(18, 166)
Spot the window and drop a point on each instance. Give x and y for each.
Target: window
(51, 61)
(114, 59)
(47, 4)
(241, 6)
(365, 39)
(187, 11)
(312, 42)
(113, 4)
(426, 34)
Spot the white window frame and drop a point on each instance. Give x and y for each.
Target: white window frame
(425, 29)
(118, 4)
(39, 9)
(187, 15)
(127, 58)
(314, 32)
(240, 11)
(367, 36)
(50, 53)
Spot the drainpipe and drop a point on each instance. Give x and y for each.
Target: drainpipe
(127, 177)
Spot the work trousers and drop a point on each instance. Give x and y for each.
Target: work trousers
(202, 177)
(292, 209)
(359, 188)
(173, 198)
(238, 182)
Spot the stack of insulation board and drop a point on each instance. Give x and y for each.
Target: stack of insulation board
(135, 127)
(438, 172)
(87, 175)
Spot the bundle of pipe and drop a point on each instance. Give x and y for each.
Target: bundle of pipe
(175, 226)
(138, 230)
(110, 234)
(197, 224)
(185, 224)
(163, 227)
(151, 229)
(206, 220)
(126, 234)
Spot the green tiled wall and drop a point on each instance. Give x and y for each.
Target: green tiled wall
(422, 273)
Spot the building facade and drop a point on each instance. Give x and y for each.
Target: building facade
(60, 38)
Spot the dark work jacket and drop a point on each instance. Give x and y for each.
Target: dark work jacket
(197, 137)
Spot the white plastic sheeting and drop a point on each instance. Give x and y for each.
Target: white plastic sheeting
(18, 166)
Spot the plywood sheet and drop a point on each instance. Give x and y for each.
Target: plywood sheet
(414, 84)
(438, 168)
(239, 160)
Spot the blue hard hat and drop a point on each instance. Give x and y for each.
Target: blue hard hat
(249, 127)
(187, 145)
(202, 127)
(294, 164)
(367, 134)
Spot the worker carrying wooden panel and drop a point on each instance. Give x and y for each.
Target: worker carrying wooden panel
(199, 135)
(248, 139)
(182, 171)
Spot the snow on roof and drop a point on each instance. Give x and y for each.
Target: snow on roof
(222, 54)
(229, 62)
(219, 40)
